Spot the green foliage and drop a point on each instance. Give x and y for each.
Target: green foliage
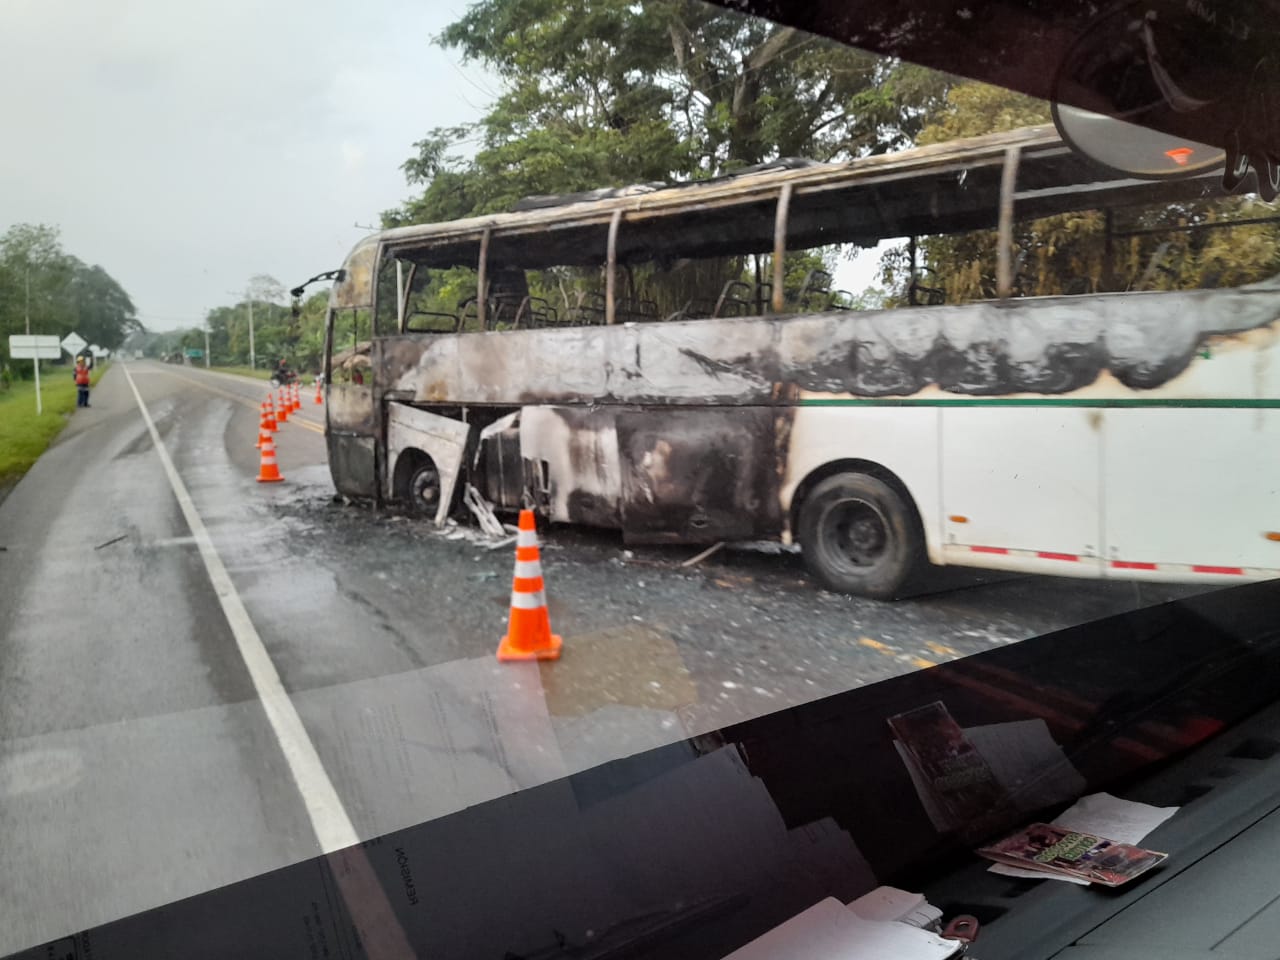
(610, 92)
(972, 109)
(53, 292)
(277, 333)
(1067, 253)
(256, 372)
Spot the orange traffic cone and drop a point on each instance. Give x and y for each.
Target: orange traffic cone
(266, 424)
(269, 471)
(319, 395)
(295, 398)
(269, 415)
(529, 635)
(282, 408)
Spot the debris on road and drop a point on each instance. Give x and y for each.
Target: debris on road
(123, 536)
(483, 512)
(710, 551)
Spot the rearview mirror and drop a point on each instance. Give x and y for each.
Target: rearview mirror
(1131, 149)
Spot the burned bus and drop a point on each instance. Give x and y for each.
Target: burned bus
(648, 359)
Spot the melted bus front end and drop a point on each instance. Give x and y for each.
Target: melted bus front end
(350, 414)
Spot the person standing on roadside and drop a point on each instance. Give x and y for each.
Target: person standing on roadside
(82, 383)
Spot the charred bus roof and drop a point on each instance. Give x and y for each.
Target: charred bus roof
(951, 187)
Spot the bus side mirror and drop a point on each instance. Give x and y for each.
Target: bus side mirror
(1132, 149)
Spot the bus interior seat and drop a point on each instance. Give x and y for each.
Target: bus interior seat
(435, 321)
(730, 304)
(840, 300)
(503, 311)
(815, 292)
(536, 312)
(468, 315)
(588, 311)
(637, 311)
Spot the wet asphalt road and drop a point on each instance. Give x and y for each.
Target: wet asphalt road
(137, 765)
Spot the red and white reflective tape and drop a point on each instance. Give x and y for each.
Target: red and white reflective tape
(1129, 565)
(528, 601)
(1035, 554)
(528, 569)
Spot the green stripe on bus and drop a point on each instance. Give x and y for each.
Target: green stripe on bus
(1214, 403)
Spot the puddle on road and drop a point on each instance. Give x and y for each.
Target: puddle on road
(631, 665)
(39, 771)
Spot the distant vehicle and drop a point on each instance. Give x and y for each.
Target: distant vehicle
(1132, 434)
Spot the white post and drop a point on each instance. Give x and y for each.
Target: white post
(780, 248)
(401, 294)
(206, 345)
(39, 399)
(253, 362)
(611, 271)
(1004, 253)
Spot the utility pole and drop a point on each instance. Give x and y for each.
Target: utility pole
(26, 310)
(247, 295)
(206, 344)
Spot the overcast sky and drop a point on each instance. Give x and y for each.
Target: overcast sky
(186, 146)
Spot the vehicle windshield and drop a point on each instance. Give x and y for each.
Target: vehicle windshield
(719, 463)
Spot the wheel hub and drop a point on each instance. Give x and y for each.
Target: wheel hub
(426, 489)
(859, 532)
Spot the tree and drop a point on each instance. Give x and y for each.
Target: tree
(33, 271)
(229, 326)
(264, 287)
(44, 290)
(278, 332)
(100, 310)
(611, 92)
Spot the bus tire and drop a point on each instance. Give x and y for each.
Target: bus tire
(424, 489)
(859, 535)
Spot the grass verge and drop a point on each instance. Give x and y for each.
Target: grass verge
(23, 435)
(244, 371)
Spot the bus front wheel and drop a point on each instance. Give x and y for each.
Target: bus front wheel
(424, 490)
(859, 535)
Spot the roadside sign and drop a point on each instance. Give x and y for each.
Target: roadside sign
(194, 353)
(27, 346)
(97, 351)
(73, 343)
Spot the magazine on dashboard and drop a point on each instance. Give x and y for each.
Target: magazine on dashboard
(1055, 850)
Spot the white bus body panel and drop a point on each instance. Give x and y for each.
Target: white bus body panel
(1193, 487)
(1024, 478)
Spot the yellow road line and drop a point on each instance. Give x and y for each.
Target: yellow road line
(941, 649)
(918, 662)
(294, 419)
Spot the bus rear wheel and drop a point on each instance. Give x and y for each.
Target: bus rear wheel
(859, 535)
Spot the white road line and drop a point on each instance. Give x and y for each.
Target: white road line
(329, 819)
